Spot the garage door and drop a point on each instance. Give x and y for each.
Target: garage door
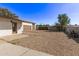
(26, 28)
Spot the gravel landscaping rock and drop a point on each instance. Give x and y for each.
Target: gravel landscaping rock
(54, 43)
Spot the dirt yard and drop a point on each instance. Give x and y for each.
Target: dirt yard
(54, 43)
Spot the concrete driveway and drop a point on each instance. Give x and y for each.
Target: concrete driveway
(8, 49)
(13, 37)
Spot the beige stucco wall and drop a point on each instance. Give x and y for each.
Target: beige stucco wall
(25, 23)
(6, 27)
(19, 27)
(33, 26)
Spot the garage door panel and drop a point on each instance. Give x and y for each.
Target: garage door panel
(26, 28)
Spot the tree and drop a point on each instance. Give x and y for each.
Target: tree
(6, 13)
(63, 21)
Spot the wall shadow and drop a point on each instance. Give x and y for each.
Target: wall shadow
(75, 37)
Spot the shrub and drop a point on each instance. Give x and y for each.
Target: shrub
(42, 27)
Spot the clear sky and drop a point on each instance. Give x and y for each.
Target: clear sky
(44, 13)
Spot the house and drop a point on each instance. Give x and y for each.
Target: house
(9, 26)
(70, 28)
(28, 26)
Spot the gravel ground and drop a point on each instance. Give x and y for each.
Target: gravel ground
(54, 43)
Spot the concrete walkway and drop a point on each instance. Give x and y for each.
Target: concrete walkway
(7, 49)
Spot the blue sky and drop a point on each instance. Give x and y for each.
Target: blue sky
(43, 13)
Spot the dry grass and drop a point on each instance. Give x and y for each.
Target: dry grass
(54, 43)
